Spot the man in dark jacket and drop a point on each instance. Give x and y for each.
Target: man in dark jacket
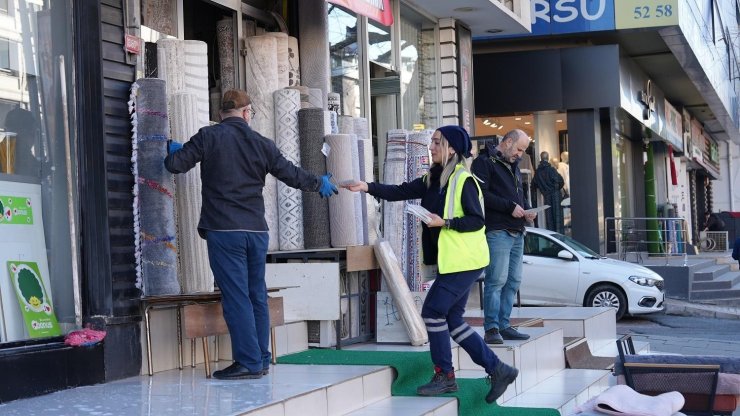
(498, 169)
(549, 182)
(234, 161)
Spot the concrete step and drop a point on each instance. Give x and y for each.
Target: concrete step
(411, 406)
(725, 281)
(732, 294)
(711, 272)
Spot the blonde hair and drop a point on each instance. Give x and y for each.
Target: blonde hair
(449, 162)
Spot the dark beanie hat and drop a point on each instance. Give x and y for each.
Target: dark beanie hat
(458, 138)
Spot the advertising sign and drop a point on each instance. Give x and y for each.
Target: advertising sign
(630, 14)
(672, 129)
(15, 210)
(571, 16)
(33, 299)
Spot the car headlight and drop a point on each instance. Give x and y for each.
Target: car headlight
(646, 281)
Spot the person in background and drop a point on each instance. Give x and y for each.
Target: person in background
(712, 222)
(455, 240)
(549, 182)
(234, 161)
(736, 251)
(497, 167)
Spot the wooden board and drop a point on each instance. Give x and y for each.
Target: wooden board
(207, 319)
(361, 258)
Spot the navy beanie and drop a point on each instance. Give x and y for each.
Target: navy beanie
(458, 138)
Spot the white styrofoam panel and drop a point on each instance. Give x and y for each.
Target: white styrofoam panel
(313, 289)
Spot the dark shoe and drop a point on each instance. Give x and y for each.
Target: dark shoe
(493, 337)
(512, 334)
(266, 370)
(441, 383)
(502, 376)
(236, 372)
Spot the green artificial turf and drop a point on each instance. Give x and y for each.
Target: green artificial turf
(415, 369)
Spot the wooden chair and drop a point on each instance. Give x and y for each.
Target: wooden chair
(204, 320)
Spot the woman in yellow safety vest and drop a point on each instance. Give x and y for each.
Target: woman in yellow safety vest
(454, 239)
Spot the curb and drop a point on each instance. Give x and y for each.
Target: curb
(682, 308)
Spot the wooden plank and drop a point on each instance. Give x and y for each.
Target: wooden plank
(361, 258)
(203, 320)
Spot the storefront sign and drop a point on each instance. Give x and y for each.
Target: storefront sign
(571, 16)
(672, 129)
(697, 142)
(378, 10)
(630, 14)
(132, 44)
(15, 210)
(647, 98)
(33, 299)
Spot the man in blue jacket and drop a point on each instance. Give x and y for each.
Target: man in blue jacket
(234, 160)
(498, 169)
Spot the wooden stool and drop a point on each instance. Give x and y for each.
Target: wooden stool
(207, 319)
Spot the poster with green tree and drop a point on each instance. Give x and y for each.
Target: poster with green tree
(33, 299)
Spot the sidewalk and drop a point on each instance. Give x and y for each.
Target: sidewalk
(684, 308)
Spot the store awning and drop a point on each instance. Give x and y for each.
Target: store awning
(483, 17)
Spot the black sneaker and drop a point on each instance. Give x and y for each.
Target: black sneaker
(502, 376)
(441, 383)
(493, 337)
(236, 371)
(512, 334)
(266, 370)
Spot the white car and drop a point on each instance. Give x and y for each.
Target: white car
(559, 270)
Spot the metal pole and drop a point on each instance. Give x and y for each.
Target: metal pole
(71, 209)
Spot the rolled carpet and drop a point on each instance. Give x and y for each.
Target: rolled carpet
(313, 125)
(417, 164)
(343, 207)
(394, 173)
(225, 40)
(154, 187)
(196, 77)
(290, 200)
(281, 41)
(294, 63)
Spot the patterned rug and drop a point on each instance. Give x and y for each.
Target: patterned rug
(290, 200)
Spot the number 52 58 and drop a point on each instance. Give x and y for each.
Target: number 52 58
(661, 10)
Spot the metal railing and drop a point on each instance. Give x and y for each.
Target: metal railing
(651, 236)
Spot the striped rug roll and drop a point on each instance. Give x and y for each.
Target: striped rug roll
(394, 172)
(225, 41)
(316, 98)
(294, 63)
(170, 62)
(417, 164)
(346, 125)
(313, 28)
(369, 212)
(290, 200)
(154, 187)
(196, 76)
(313, 125)
(343, 207)
(262, 81)
(362, 128)
(283, 66)
(195, 272)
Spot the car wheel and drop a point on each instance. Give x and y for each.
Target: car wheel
(607, 296)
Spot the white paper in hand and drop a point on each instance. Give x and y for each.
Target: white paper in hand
(419, 212)
(536, 210)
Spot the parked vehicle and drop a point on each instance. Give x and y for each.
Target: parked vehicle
(559, 270)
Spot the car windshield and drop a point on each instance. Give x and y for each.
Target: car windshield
(575, 245)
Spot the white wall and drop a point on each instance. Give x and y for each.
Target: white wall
(726, 194)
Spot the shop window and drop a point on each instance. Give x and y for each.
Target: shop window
(36, 284)
(379, 44)
(344, 55)
(418, 70)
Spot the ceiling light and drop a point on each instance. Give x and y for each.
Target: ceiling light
(494, 125)
(464, 9)
(558, 121)
(501, 127)
(486, 122)
(517, 118)
(527, 122)
(494, 31)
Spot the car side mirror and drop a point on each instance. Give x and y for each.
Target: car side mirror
(565, 255)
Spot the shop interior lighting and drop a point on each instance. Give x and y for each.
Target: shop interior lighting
(558, 121)
(527, 122)
(518, 118)
(486, 122)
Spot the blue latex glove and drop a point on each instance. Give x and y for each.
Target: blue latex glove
(327, 188)
(173, 146)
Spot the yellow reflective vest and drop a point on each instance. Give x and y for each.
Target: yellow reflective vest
(460, 251)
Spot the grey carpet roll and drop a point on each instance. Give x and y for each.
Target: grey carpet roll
(343, 207)
(262, 81)
(313, 28)
(294, 62)
(154, 187)
(283, 66)
(290, 200)
(312, 127)
(225, 41)
(195, 272)
(196, 77)
(316, 98)
(417, 164)
(394, 172)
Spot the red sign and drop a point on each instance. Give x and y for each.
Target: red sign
(378, 10)
(132, 44)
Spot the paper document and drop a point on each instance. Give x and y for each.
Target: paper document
(419, 212)
(536, 210)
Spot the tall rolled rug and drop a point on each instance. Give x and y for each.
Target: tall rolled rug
(196, 77)
(370, 210)
(170, 63)
(346, 124)
(154, 187)
(304, 96)
(313, 28)
(417, 163)
(195, 272)
(394, 172)
(343, 208)
(313, 125)
(294, 62)
(262, 81)
(316, 98)
(281, 40)
(290, 200)
(225, 41)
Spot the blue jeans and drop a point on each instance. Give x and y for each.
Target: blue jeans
(443, 316)
(237, 259)
(503, 277)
